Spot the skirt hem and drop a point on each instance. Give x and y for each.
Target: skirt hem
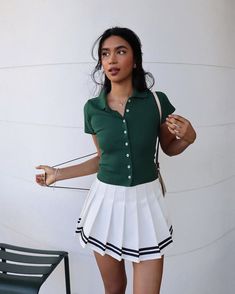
(154, 252)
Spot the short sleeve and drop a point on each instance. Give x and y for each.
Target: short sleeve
(87, 119)
(167, 107)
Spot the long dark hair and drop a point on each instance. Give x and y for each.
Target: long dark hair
(141, 80)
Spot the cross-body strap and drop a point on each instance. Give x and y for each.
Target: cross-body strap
(160, 115)
(158, 104)
(163, 186)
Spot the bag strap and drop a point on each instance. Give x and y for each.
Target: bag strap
(163, 186)
(160, 115)
(158, 104)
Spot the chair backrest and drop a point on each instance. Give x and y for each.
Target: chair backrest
(29, 267)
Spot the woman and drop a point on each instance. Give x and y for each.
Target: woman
(124, 216)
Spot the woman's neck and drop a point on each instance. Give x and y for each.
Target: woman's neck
(120, 91)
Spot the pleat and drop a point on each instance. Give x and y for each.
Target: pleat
(100, 224)
(148, 223)
(115, 238)
(88, 200)
(163, 227)
(107, 217)
(90, 213)
(159, 210)
(131, 228)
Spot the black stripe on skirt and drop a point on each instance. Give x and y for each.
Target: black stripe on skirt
(123, 250)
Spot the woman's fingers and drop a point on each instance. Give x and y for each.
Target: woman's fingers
(41, 179)
(174, 127)
(42, 167)
(177, 121)
(46, 178)
(177, 125)
(172, 131)
(181, 127)
(177, 118)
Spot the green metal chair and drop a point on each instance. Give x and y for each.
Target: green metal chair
(24, 270)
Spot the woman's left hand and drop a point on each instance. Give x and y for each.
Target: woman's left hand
(181, 128)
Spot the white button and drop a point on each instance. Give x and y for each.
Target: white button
(129, 100)
(127, 155)
(127, 110)
(128, 166)
(124, 120)
(126, 143)
(125, 132)
(129, 177)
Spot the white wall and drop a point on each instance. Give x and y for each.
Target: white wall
(45, 64)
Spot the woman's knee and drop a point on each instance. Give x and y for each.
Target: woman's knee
(115, 288)
(148, 276)
(113, 274)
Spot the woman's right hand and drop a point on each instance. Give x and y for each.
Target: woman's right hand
(48, 177)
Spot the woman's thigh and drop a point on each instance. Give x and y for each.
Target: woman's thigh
(147, 276)
(112, 272)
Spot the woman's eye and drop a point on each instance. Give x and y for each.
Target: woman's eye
(105, 54)
(121, 52)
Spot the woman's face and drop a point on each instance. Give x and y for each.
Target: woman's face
(117, 59)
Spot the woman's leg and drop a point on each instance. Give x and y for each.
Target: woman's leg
(113, 273)
(147, 276)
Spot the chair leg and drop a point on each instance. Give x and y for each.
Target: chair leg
(67, 277)
(3, 260)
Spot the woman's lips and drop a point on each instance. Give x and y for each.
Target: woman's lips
(114, 71)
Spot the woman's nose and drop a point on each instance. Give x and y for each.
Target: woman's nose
(112, 58)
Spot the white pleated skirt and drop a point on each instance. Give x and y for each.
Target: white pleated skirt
(129, 223)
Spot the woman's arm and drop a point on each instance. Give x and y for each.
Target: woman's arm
(83, 169)
(176, 126)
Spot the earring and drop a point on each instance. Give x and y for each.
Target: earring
(134, 66)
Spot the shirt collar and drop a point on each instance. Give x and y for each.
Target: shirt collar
(103, 95)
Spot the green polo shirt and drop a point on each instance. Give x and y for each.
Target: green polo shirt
(127, 143)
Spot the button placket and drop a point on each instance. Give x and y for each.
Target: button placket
(128, 107)
(126, 144)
